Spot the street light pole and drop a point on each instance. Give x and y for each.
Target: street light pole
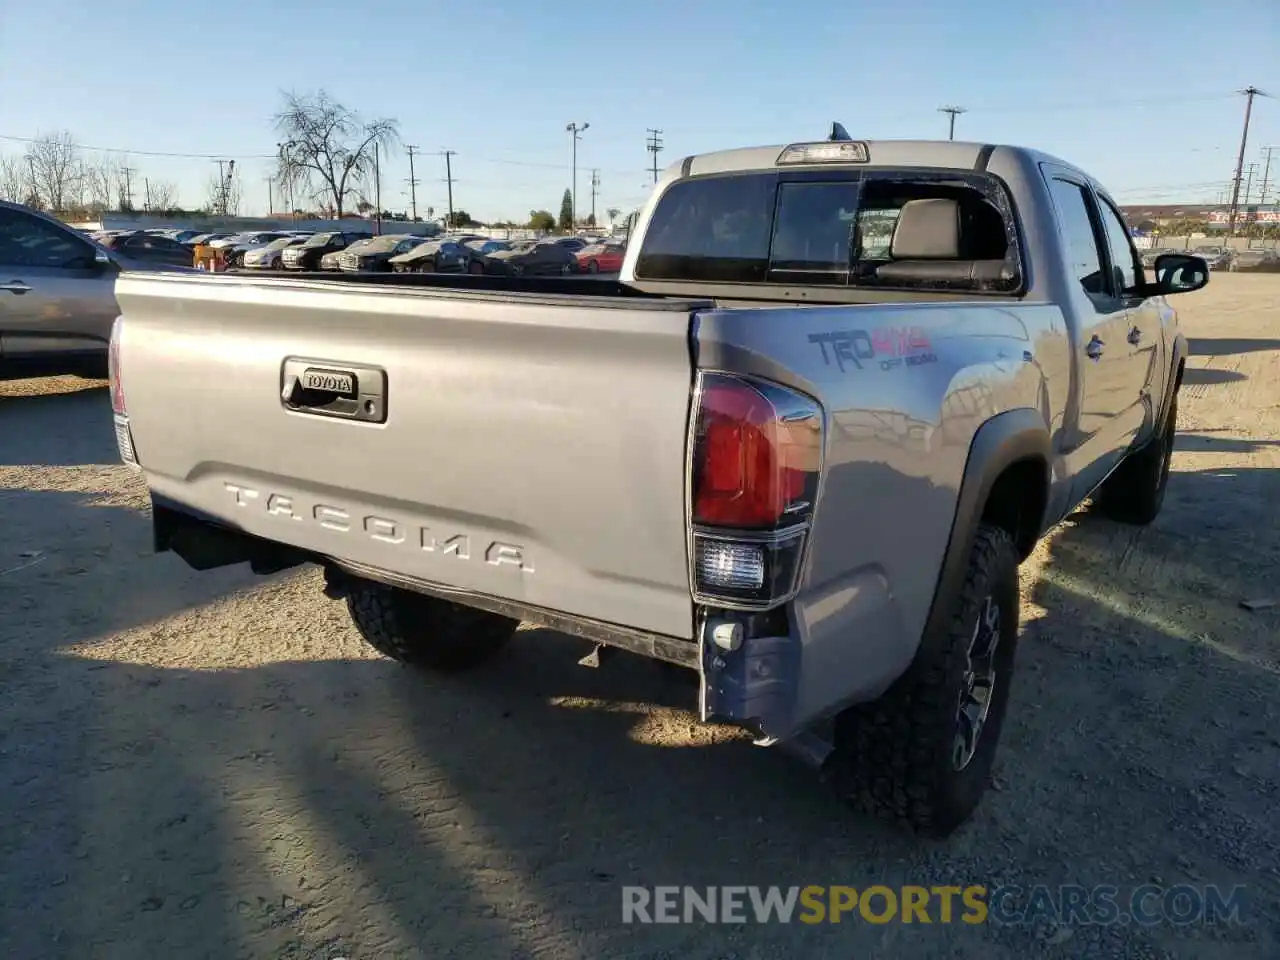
(575, 134)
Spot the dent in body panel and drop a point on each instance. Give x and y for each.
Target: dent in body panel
(897, 440)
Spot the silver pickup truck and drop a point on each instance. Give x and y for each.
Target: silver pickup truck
(800, 447)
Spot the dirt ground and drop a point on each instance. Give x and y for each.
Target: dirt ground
(213, 765)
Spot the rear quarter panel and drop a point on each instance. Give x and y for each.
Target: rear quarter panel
(904, 389)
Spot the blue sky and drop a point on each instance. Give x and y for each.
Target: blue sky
(1138, 93)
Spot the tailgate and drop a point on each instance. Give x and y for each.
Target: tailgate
(533, 447)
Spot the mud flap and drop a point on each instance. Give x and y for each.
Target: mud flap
(747, 682)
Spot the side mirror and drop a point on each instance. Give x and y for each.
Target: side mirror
(1179, 273)
(103, 262)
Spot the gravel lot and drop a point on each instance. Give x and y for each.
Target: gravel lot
(213, 765)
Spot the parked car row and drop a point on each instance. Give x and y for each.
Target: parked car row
(485, 256)
(1222, 258)
(358, 250)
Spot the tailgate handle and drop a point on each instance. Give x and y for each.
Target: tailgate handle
(328, 388)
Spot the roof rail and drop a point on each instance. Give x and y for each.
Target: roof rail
(838, 132)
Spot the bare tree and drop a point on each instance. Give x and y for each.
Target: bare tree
(159, 195)
(15, 184)
(55, 165)
(328, 147)
(100, 177)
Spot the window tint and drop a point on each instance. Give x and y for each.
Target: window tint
(1081, 244)
(715, 229)
(1124, 261)
(784, 229)
(813, 231)
(27, 241)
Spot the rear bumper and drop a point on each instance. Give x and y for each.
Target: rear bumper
(796, 665)
(206, 543)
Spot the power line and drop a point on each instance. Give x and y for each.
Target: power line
(989, 108)
(653, 144)
(1266, 179)
(146, 153)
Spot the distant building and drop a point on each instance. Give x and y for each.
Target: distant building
(1215, 214)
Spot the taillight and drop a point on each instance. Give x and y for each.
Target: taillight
(124, 437)
(113, 367)
(756, 457)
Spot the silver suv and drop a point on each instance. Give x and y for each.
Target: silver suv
(57, 296)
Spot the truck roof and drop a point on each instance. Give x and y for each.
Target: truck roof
(945, 154)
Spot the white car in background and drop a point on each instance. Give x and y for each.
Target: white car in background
(269, 257)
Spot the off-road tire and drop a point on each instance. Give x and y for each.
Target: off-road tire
(1134, 493)
(423, 631)
(893, 757)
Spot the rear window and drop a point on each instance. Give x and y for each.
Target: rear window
(892, 229)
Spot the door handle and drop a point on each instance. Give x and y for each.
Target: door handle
(1093, 350)
(15, 286)
(1135, 336)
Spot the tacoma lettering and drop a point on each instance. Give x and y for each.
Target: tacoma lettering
(458, 545)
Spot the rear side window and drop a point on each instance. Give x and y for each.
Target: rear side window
(714, 230)
(889, 229)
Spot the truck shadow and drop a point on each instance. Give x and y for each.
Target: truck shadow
(1201, 443)
(354, 807)
(1211, 376)
(69, 428)
(1226, 346)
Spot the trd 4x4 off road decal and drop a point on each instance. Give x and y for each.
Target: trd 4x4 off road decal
(890, 347)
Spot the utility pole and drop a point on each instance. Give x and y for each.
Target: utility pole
(575, 134)
(377, 185)
(226, 170)
(1266, 179)
(288, 174)
(448, 179)
(127, 173)
(654, 145)
(146, 194)
(31, 167)
(413, 185)
(1248, 192)
(953, 112)
(595, 190)
(1249, 93)
(270, 204)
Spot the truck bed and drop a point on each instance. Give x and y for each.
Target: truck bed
(513, 430)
